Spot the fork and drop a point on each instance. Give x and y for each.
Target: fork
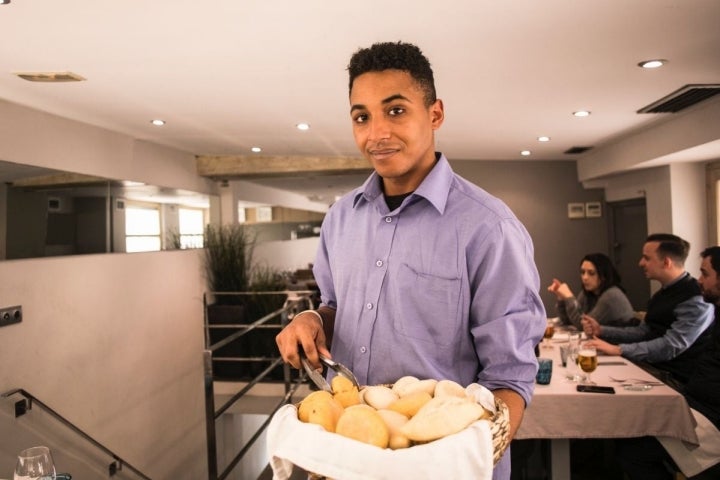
(635, 380)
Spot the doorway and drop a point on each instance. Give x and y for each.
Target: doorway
(627, 229)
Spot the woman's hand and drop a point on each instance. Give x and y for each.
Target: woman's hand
(560, 289)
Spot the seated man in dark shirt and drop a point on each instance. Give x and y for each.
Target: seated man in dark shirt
(646, 458)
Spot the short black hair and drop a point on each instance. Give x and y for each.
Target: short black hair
(395, 56)
(714, 254)
(671, 246)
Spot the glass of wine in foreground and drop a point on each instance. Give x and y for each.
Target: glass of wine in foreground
(587, 359)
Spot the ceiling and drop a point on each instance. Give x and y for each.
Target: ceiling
(229, 75)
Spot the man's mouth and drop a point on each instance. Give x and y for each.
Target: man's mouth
(382, 153)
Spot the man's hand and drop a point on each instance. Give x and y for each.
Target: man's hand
(591, 327)
(603, 346)
(305, 331)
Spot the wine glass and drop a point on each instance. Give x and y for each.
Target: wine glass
(35, 463)
(587, 359)
(549, 332)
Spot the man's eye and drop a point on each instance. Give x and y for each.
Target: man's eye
(396, 111)
(360, 118)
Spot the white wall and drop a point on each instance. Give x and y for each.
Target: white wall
(689, 209)
(113, 342)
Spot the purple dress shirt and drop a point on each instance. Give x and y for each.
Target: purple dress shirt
(443, 287)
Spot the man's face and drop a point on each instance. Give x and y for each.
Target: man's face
(650, 262)
(709, 282)
(393, 128)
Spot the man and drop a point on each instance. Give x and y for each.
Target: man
(647, 458)
(420, 272)
(677, 320)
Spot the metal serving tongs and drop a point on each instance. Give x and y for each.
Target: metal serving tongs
(318, 378)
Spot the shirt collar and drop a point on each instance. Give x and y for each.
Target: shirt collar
(434, 187)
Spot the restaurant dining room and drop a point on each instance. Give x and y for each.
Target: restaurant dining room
(391, 240)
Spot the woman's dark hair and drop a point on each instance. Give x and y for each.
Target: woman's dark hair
(395, 56)
(608, 275)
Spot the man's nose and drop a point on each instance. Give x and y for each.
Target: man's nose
(379, 129)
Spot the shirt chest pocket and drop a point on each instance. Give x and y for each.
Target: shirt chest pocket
(428, 306)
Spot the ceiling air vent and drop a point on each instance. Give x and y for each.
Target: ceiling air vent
(681, 99)
(50, 77)
(576, 150)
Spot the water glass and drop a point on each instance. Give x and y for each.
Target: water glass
(544, 374)
(572, 370)
(35, 463)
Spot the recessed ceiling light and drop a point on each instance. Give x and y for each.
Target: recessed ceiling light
(657, 63)
(256, 149)
(525, 153)
(303, 126)
(543, 138)
(158, 122)
(581, 113)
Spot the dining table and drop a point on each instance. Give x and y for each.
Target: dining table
(641, 405)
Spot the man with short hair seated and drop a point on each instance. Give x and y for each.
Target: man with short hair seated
(648, 458)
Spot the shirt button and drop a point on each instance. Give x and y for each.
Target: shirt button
(369, 306)
(363, 349)
(379, 263)
(388, 219)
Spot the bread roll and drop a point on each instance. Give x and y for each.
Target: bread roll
(379, 396)
(440, 417)
(410, 403)
(394, 420)
(363, 423)
(449, 388)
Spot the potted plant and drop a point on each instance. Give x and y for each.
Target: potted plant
(228, 263)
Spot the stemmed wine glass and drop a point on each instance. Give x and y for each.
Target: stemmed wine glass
(587, 359)
(35, 463)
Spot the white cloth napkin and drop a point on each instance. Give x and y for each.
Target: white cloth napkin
(467, 454)
(693, 459)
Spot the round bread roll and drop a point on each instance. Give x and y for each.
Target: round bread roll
(341, 384)
(402, 383)
(348, 398)
(363, 423)
(440, 417)
(322, 410)
(379, 396)
(307, 402)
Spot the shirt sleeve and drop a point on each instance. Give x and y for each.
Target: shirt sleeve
(507, 315)
(693, 316)
(574, 308)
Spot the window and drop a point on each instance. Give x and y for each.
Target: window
(191, 226)
(142, 229)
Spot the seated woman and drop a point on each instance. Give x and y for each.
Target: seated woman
(602, 297)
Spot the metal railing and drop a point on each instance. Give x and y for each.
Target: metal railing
(294, 302)
(25, 405)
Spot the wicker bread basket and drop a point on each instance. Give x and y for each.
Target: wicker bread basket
(499, 429)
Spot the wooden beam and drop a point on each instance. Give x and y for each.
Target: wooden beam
(249, 166)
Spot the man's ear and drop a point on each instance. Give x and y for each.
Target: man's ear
(437, 114)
